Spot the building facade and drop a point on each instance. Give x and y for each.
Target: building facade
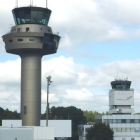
(125, 125)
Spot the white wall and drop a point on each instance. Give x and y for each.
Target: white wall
(62, 128)
(121, 97)
(16, 134)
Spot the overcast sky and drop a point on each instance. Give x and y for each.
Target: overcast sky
(100, 39)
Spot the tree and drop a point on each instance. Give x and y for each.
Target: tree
(90, 116)
(69, 113)
(100, 131)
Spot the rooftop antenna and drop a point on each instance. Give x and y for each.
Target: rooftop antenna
(46, 3)
(16, 3)
(31, 2)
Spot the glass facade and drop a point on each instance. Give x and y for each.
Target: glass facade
(51, 40)
(125, 129)
(121, 85)
(108, 121)
(31, 15)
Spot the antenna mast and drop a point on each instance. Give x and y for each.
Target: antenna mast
(31, 2)
(16, 3)
(46, 4)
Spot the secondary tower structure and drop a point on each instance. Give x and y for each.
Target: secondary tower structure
(121, 97)
(31, 38)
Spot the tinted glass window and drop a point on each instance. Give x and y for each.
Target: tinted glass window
(51, 39)
(31, 15)
(121, 84)
(132, 121)
(123, 121)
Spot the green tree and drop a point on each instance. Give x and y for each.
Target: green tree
(90, 116)
(7, 114)
(100, 131)
(71, 113)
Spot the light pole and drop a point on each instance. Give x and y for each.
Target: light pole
(47, 108)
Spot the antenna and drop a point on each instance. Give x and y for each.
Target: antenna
(32, 2)
(16, 3)
(46, 3)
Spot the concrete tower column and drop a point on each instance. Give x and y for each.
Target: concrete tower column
(31, 89)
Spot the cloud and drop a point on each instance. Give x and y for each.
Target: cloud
(77, 22)
(73, 84)
(78, 95)
(83, 21)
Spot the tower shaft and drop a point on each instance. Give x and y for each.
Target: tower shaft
(31, 89)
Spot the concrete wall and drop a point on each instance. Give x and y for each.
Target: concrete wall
(62, 128)
(16, 134)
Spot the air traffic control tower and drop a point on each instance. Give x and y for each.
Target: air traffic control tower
(31, 38)
(121, 97)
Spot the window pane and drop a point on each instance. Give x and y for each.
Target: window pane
(114, 121)
(119, 130)
(136, 121)
(119, 121)
(123, 121)
(123, 129)
(128, 121)
(132, 129)
(30, 15)
(132, 121)
(127, 129)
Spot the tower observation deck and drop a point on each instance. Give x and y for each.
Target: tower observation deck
(31, 38)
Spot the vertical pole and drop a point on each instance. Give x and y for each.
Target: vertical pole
(16, 3)
(47, 110)
(46, 4)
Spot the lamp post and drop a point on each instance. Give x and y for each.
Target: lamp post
(47, 108)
